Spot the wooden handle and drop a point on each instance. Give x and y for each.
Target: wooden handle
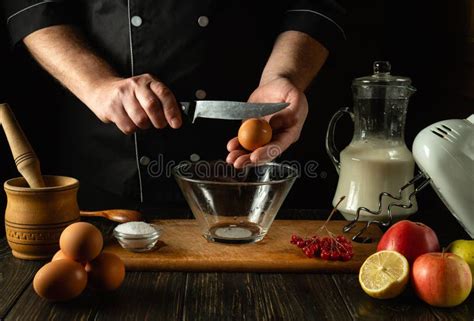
(116, 215)
(25, 158)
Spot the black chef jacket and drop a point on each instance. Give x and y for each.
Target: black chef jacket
(201, 49)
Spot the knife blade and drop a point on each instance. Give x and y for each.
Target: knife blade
(220, 109)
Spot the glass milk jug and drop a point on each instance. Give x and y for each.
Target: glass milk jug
(377, 159)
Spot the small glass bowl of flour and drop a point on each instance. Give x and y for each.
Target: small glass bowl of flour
(137, 236)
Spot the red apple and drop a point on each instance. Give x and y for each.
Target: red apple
(411, 239)
(441, 279)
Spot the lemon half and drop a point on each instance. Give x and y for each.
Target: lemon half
(384, 274)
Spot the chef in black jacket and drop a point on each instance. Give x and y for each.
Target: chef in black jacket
(126, 63)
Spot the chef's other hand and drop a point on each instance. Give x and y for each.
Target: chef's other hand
(286, 124)
(135, 102)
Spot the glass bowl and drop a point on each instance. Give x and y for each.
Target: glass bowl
(138, 243)
(234, 205)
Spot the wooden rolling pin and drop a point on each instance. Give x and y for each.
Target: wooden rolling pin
(25, 158)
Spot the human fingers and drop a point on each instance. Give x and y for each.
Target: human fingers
(275, 148)
(233, 155)
(151, 105)
(170, 107)
(242, 161)
(233, 144)
(134, 110)
(121, 119)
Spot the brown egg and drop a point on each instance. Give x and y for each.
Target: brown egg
(81, 242)
(254, 133)
(106, 272)
(61, 256)
(60, 280)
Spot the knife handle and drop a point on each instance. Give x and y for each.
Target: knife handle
(188, 109)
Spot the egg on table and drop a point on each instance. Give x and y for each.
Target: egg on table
(81, 242)
(60, 280)
(59, 255)
(77, 264)
(106, 272)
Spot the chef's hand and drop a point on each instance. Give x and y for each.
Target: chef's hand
(286, 124)
(135, 102)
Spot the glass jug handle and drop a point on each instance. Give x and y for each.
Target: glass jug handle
(331, 147)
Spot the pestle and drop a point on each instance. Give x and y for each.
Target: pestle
(25, 158)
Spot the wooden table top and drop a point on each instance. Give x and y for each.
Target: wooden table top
(226, 296)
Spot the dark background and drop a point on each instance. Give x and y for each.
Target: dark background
(424, 40)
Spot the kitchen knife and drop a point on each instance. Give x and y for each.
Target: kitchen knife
(219, 109)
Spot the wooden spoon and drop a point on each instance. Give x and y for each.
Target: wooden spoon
(116, 215)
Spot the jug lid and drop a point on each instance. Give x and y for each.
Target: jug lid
(382, 77)
(382, 84)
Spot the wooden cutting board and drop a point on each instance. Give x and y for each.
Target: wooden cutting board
(182, 248)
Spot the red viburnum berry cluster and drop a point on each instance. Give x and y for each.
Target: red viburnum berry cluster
(327, 247)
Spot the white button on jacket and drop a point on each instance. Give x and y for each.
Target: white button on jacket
(200, 94)
(203, 21)
(194, 157)
(136, 21)
(144, 160)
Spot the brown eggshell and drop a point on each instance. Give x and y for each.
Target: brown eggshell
(254, 133)
(60, 280)
(61, 256)
(81, 242)
(106, 272)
